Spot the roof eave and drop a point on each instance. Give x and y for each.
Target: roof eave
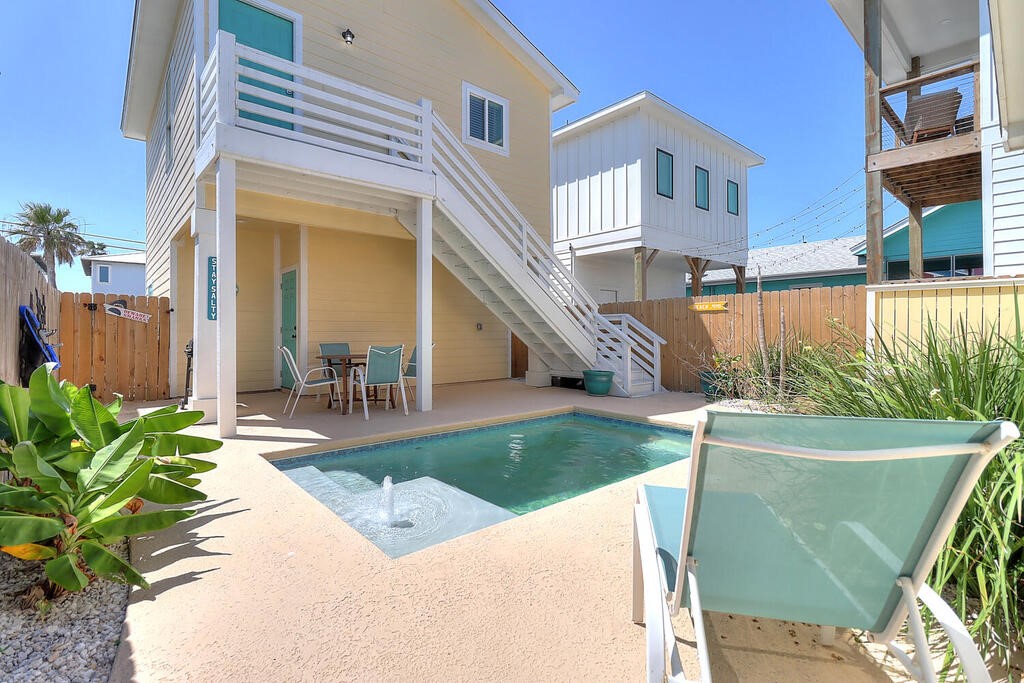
(1006, 17)
(153, 25)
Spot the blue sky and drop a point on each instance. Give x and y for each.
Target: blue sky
(783, 78)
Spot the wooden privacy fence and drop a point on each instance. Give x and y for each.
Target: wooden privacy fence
(899, 313)
(22, 283)
(695, 337)
(112, 353)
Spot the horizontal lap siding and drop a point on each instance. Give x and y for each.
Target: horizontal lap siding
(363, 291)
(169, 193)
(1007, 212)
(426, 49)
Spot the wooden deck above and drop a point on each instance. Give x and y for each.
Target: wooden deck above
(936, 181)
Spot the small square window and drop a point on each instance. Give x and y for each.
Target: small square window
(485, 119)
(732, 191)
(103, 274)
(665, 172)
(700, 194)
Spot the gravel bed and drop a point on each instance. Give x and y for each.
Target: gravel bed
(75, 641)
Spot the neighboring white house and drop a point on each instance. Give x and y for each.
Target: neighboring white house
(117, 273)
(643, 194)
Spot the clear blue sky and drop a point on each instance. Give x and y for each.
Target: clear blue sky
(783, 78)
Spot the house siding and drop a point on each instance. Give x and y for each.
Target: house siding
(953, 229)
(786, 283)
(170, 190)
(1007, 211)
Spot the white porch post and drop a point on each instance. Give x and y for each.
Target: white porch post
(226, 302)
(204, 326)
(424, 304)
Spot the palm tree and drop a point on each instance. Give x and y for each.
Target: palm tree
(51, 231)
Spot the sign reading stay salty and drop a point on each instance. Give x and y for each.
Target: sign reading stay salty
(211, 288)
(710, 306)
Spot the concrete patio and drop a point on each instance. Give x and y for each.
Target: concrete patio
(267, 584)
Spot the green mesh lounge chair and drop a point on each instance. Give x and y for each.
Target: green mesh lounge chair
(409, 374)
(327, 378)
(383, 369)
(825, 520)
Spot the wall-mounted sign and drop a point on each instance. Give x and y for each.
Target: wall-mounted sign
(211, 288)
(122, 312)
(710, 306)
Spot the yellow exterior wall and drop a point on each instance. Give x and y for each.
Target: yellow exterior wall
(427, 48)
(902, 315)
(362, 290)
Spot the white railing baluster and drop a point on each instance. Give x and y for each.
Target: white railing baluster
(427, 135)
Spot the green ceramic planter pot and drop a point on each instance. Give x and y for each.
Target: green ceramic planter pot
(598, 382)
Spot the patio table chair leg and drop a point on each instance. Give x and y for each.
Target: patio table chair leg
(401, 388)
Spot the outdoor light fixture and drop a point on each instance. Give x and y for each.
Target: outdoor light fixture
(348, 36)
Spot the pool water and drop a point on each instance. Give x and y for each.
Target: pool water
(507, 470)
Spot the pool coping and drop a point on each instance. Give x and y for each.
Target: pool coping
(380, 439)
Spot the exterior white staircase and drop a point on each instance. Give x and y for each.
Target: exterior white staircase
(479, 235)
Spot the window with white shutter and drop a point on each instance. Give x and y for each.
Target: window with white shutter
(485, 119)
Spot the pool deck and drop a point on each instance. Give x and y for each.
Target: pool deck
(266, 584)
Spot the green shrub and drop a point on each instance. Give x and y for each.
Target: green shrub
(962, 374)
(78, 478)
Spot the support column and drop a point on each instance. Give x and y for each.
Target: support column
(873, 137)
(914, 234)
(698, 266)
(226, 299)
(639, 274)
(741, 278)
(204, 308)
(424, 305)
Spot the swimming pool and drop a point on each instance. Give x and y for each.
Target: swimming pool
(471, 478)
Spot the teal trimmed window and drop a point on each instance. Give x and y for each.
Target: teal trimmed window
(665, 174)
(732, 192)
(700, 190)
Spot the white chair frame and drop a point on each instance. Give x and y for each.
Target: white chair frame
(326, 371)
(357, 375)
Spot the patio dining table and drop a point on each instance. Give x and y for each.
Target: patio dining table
(342, 362)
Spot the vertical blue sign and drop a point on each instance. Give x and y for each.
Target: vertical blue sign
(211, 288)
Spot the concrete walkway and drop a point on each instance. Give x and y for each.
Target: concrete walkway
(265, 584)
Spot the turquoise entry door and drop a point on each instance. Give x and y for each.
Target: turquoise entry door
(266, 32)
(289, 328)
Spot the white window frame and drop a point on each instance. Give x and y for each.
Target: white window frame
(470, 89)
(100, 269)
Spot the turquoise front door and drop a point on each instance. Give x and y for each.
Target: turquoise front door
(266, 32)
(289, 328)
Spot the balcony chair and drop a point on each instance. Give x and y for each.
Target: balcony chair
(826, 520)
(383, 370)
(932, 116)
(327, 378)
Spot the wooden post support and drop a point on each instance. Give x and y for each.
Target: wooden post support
(873, 137)
(639, 274)
(741, 279)
(698, 266)
(914, 235)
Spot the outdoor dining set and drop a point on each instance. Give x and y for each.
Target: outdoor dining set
(377, 373)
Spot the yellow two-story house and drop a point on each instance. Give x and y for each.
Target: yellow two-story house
(357, 171)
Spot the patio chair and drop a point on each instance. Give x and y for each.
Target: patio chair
(333, 349)
(409, 374)
(383, 369)
(931, 116)
(327, 378)
(825, 520)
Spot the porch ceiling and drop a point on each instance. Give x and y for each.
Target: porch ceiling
(321, 190)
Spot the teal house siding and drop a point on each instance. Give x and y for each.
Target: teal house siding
(786, 283)
(951, 230)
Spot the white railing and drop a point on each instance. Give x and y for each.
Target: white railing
(645, 348)
(246, 88)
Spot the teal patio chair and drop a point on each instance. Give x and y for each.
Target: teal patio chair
(300, 382)
(333, 349)
(383, 369)
(409, 374)
(825, 520)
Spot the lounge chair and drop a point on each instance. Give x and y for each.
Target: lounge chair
(383, 369)
(327, 378)
(824, 520)
(932, 116)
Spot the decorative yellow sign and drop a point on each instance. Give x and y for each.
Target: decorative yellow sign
(709, 306)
